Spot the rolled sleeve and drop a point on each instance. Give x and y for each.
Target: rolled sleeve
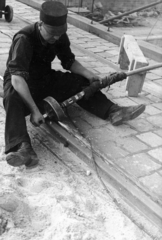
(64, 52)
(19, 62)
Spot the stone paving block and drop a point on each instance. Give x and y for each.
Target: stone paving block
(8, 33)
(155, 120)
(153, 98)
(90, 45)
(77, 35)
(151, 61)
(102, 142)
(151, 76)
(113, 52)
(151, 110)
(113, 59)
(141, 99)
(96, 64)
(157, 71)
(84, 58)
(91, 36)
(112, 151)
(137, 165)
(4, 39)
(158, 105)
(81, 31)
(4, 50)
(82, 126)
(77, 41)
(92, 120)
(124, 101)
(159, 82)
(100, 40)
(151, 139)
(121, 137)
(131, 144)
(95, 50)
(119, 132)
(106, 48)
(77, 52)
(141, 125)
(157, 154)
(5, 46)
(110, 45)
(158, 132)
(85, 39)
(105, 54)
(153, 183)
(117, 93)
(107, 69)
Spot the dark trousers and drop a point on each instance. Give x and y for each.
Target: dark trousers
(59, 85)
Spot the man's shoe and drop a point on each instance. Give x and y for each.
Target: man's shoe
(33, 160)
(118, 114)
(25, 155)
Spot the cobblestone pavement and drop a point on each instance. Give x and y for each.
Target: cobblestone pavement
(135, 148)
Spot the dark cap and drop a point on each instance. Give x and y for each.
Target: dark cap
(54, 14)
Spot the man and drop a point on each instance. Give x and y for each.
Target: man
(29, 78)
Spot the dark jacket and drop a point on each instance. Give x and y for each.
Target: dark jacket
(30, 57)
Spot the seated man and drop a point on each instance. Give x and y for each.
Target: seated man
(29, 78)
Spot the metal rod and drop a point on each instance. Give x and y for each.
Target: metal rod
(144, 69)
(129, 12)
(80, 3)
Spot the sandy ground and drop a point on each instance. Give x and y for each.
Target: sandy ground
(60, 199)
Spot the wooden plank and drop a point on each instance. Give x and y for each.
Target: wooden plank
(131, 57)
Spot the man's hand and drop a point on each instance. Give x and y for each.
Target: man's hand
(21, 87)
(78, 68)
(113, 78)
(37, 118)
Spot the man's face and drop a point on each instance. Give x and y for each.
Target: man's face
(49, 34)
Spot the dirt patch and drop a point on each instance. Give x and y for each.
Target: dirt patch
(59, 199)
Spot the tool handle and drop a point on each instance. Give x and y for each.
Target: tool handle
(73, 99)
(144, 69)
(87, 92)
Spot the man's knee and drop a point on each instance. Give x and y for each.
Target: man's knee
(11, 97)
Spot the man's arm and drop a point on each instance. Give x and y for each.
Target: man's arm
(81, 70)
(21, 87)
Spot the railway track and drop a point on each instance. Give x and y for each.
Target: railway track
(114, 181)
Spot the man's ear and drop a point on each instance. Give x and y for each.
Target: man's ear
(40, 23)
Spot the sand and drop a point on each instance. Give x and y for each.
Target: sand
(60, 199)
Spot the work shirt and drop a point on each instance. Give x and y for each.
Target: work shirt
(30, 56)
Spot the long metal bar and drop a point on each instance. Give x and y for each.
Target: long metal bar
(144, 69)
(81, 94)
(129, 12)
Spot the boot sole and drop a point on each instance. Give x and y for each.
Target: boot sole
(132, 116)
(32, 163)
(15, 161)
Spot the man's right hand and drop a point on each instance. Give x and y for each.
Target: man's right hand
(113, 78)
(21, 87)
(37, 118)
